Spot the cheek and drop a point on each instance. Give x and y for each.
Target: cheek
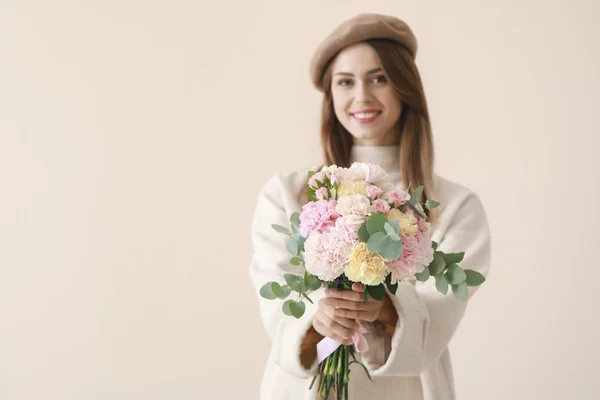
(339, 105)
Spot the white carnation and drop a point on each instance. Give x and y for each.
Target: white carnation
(354, 208)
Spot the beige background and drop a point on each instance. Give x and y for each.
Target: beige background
(135, 135)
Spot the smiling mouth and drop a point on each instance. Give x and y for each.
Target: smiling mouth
(365, 117)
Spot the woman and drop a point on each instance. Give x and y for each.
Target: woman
(374, 111)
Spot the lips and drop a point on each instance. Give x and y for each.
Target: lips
(365, 116)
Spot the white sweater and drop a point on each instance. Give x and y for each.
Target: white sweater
(414, 363)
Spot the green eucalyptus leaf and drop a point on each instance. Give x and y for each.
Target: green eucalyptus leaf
(377, 292)
(291, 244)
(365, 296)
(281, 229)
(452, 258)
(441, 284)
(300, 240)
(313, 282)
(455, 274)
(376, 242)
(292, 279)
(363, 234)
(296, 260)
(310, 174)
(431, 204)
(391, 232)
(391, 249)
(267, 290)
(474, 278)
(395, 223)
(376, 223)
(434, 245)
(296, 282)
(295, 219)
(461, 291)
(423, 276)
(415, 197)
(285, 292)
(437, 265)
(294, 308)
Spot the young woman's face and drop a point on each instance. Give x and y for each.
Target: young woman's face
(364, 101)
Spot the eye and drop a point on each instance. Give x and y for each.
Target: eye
(379, 79)
(344, 82)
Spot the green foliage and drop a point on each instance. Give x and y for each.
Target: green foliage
(281, 229)
(296, 282)
(391, 287)
(431, 204)
(296, 260)
(377, 292)
(423, 276)
(441, 284)
(312, 282)
(460, 291)
(295, 244)
(437, 265)
(272, 290)
(391, 231)
(295, 221)
(376, 242)
(474, 278)
(363, 234)
(376, 223)
(455, 274)
(415, 197)
(452, 258)
(294, 308)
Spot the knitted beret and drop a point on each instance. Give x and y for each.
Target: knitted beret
(357, 29)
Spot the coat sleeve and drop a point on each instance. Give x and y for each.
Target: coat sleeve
(427, 319)
(270, 260)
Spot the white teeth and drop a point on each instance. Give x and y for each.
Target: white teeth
(365, 115)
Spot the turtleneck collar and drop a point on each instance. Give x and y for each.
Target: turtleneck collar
(387, 157)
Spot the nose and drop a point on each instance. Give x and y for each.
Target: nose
(363, 93)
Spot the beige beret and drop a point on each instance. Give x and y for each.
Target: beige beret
(358, 29)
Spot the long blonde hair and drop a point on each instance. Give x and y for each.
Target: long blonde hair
(416, 142)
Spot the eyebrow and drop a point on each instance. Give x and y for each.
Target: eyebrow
(372, 71)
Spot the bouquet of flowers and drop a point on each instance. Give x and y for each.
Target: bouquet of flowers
(357, 227)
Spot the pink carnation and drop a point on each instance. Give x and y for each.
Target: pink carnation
(319, 176)
(417, 253)
(373, 191)
(317, 216)
(322, 193)
(381, 206)
(326, 254)
(396, 197)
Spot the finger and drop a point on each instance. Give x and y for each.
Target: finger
(346, 295)
(330, 328)
(349, 305)
(358, 287)
(345, 322)
(354, 314)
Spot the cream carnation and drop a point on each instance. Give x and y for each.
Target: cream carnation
(354, 208)
(366, 267)
(348, 188)
(408, 222)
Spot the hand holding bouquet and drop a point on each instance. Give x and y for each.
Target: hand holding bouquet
(357, 227)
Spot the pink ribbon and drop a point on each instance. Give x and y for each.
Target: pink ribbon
(327, 346)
